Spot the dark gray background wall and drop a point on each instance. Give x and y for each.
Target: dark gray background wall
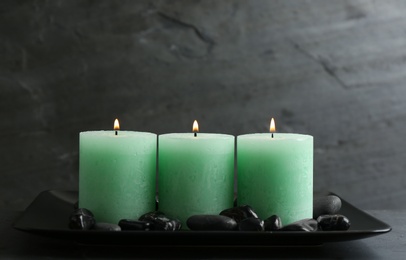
(332, 69)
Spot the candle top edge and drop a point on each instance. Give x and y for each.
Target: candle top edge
(276, 136)
(119, 133)
(199, 136)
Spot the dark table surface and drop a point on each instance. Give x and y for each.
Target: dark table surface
(17, 244)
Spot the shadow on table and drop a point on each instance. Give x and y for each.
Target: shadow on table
(62, 249)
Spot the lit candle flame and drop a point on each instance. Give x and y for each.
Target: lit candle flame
(272, 127)
(195, 127)
(116, 125)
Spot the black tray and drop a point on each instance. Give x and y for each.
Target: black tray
(48, 216)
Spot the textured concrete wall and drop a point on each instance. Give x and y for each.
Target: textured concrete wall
(332, 69)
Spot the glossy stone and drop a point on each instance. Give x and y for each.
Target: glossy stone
(333, 222)
(211, 222)
(239, 213)
(273, 223)
(106, 227)
(326, 205)
(82, 219)
(251, 224)
(160, 221)
(307, 224)
(130, 224)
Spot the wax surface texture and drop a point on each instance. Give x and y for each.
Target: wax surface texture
(196, 174)
(117, 174)
(275, 175)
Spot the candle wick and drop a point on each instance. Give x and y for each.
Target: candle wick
(195, 134)
(272, 135)
(116, 132)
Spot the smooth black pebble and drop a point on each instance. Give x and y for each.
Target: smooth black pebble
(160, 221)
(273, 223)
(251, 224)
(211, 222)
(82, 219)
(307, 224)
(333, 222)
(106, 227)
(326, 205)
(239, 213)
(130, 224)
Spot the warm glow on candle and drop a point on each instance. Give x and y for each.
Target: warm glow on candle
(116, 125)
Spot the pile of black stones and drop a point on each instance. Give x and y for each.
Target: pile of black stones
(240, 218)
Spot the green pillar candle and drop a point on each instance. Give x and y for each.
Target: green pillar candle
(117, 174)
(275, 175)
(196, 174)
